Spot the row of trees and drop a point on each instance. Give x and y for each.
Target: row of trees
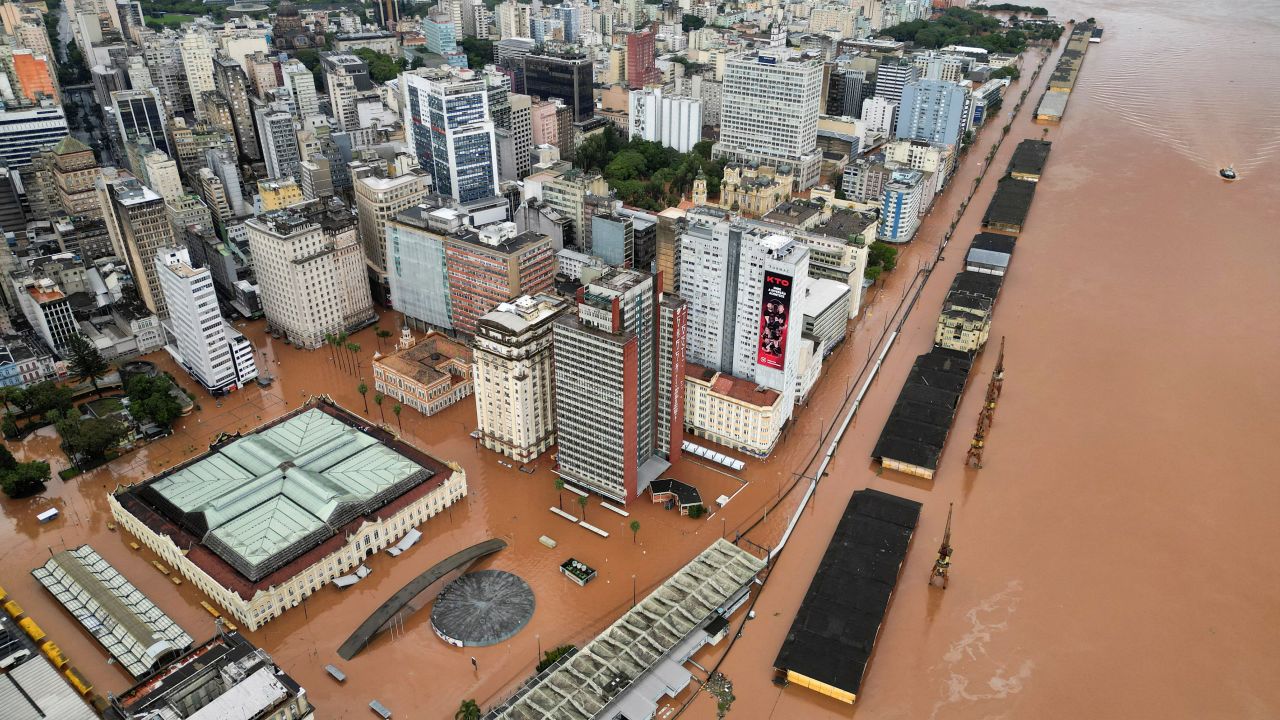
(381, 67)
(646, 174)
(1010, 7)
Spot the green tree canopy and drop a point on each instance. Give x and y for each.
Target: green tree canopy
(24, 479)
(151, 399)
(381, 67)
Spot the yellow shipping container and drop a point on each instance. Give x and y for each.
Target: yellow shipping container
(33, 630)
(84, 687)
(13, 608)
(821, 687)
(54, 653)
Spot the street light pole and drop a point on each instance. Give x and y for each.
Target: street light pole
(633, 590)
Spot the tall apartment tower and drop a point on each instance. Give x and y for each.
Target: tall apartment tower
(892, 75)
(492, 265)
(521, 134)
(139, 226)
(301, 84)
(416, 269)
(744, 286)
(514, 376)
(345, 77)
(378, 200)
(310, 270)
(932, 111)
(233, 84)
(641, 69)
(447, 123)
(216, 355)
(197, 63)
(770, 103)
(279, 138)
(619, 378)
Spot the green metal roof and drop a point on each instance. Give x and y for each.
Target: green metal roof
(271, 496)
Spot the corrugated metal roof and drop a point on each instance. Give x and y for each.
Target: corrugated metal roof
(35, 691)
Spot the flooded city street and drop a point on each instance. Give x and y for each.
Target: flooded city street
(1113, 557)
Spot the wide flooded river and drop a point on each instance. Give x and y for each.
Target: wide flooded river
(1115, 556)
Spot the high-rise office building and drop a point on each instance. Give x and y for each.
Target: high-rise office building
(641, 69)
(346, 77)
(140, 117)
(845, 91)
(745, 288)
(386, 13)
(416, 269)
(769, 113)
(521, 135)
(900, 209)
(301, 85)
(447, 123)
(932, 111)
(160, 173)
(567, 77)
(197, 64)
(378, 200)
(619, 377)
(279, 137)
(492, 265)
(216, 355)
(232, 83)
(879, 115)
(892, 75)
(139, 227)
(514, 376)
(310, 270)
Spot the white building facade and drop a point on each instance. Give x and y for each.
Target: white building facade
(676, 122)
(200, 342)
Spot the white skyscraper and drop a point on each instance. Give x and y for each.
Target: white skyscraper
(879, 115)
(744, 286)
(447, 123)
(769, 111)
(279, 137)
(215, 354)
(676, 122)
(197, 62)
(301, 85)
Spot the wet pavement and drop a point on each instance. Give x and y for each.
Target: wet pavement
(1110, 557)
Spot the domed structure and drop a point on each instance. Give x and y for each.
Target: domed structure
(288, 32)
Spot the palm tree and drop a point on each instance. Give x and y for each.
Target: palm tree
(635, 528)
(382, 335)
(339, 342)
(363, 390)
(328, 340)
(582, 502)
(560, 491)
(468, 710)
(377, 331)
(377, 400)
(355, 355)
(396, 409)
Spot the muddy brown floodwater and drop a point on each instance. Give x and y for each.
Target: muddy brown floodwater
(1115, 556)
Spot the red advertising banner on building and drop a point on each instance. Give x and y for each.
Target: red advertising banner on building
(775, 316)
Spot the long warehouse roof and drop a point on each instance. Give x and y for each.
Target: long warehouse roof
(636, 642)
(124, 620)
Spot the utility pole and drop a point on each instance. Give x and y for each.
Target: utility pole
(987, 416)
(942, 566)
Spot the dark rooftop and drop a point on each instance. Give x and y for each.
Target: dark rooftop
(685, 493)
(834, 633)
(995, 242)
(1030, 156)
(1010, 204)
(917, 428)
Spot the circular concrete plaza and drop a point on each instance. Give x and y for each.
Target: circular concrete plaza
(482, 608)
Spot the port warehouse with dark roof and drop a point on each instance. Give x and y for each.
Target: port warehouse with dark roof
(918, 426)
(834, 632)
(1008, 210)
(1063, 80)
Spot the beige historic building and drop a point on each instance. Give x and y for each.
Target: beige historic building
(731, 411)
(428, 375)
(754, 190)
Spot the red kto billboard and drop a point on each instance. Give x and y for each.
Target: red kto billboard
(775, 314)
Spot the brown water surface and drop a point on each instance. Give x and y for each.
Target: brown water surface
(1114, 558)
